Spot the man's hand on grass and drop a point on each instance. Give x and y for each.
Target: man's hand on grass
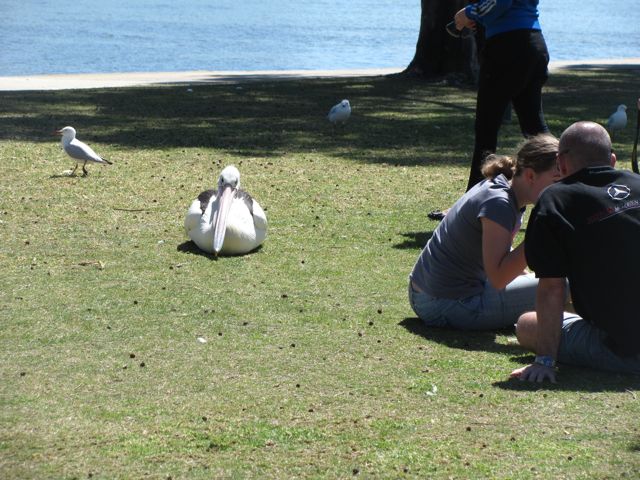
(535, 373)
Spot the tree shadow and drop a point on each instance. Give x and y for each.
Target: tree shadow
(430, 123)
(414, 240)
(251, 118)
(464, 340)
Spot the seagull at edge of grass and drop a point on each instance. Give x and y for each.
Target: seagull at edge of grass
(617, 120)
(79, 151)
(340, 113)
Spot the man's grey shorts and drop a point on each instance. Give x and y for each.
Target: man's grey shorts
(583, 344)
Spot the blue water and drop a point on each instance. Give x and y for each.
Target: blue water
(83, 36)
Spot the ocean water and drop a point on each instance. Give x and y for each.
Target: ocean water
(84, 36)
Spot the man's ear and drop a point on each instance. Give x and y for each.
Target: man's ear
(613, 159)
(562, 166)
(529, 175)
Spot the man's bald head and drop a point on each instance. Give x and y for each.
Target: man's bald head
(586, 144)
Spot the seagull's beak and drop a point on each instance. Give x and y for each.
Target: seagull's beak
(224, 200)
(57, 132)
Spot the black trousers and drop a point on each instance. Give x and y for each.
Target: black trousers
(513, 69)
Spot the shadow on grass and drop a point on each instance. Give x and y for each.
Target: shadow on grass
(64, 175)
(576, 379)
(414, 240)
(635, 446)
(570, 378)
(396, 121)
(266, 117)
(467, 340)
(256, 118)
(191, 248)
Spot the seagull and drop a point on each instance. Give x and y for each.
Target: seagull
(226, 221)
(617, 120)
(79, 151)
(340, 113)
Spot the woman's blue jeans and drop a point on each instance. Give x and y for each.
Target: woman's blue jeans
(492, 309)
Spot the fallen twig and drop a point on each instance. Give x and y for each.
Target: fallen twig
(133, 209)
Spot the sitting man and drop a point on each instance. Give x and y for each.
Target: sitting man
(585, 228)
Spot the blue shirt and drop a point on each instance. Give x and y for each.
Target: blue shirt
(499, 16)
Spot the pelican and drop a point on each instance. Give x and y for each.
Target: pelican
(226, 221)
(79, 151)
(340, 112)
(617, 120)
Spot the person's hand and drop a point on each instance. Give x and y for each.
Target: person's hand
(535, 373)
(463, 21)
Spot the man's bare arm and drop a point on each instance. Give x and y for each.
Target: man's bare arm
(550, 299)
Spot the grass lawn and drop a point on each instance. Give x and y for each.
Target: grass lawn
(314, 365)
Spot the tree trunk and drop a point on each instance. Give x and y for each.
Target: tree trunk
(437, 53)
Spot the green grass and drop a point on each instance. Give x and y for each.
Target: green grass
(314, 366)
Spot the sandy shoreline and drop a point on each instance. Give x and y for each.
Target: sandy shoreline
(111, 80)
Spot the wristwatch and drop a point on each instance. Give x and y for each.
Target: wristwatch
(545, 361)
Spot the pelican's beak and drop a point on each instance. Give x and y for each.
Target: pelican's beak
(225, 199)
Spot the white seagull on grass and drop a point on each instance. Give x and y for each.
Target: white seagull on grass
(340, 113)
(226, 221)
(79, 151)
(617, 120)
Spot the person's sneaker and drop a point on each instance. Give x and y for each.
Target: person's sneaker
(437, 215)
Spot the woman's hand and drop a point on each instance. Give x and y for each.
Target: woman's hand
(501, 264)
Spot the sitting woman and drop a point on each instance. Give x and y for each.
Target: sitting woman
(468, 277)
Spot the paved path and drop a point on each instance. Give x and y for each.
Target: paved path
(110, 80)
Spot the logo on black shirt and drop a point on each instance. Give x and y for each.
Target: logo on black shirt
(618, 192)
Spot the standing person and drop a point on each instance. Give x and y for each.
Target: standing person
(467, 276)
(585, 229)
(513, 69)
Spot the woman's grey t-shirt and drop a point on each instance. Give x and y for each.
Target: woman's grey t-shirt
(450, 266)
